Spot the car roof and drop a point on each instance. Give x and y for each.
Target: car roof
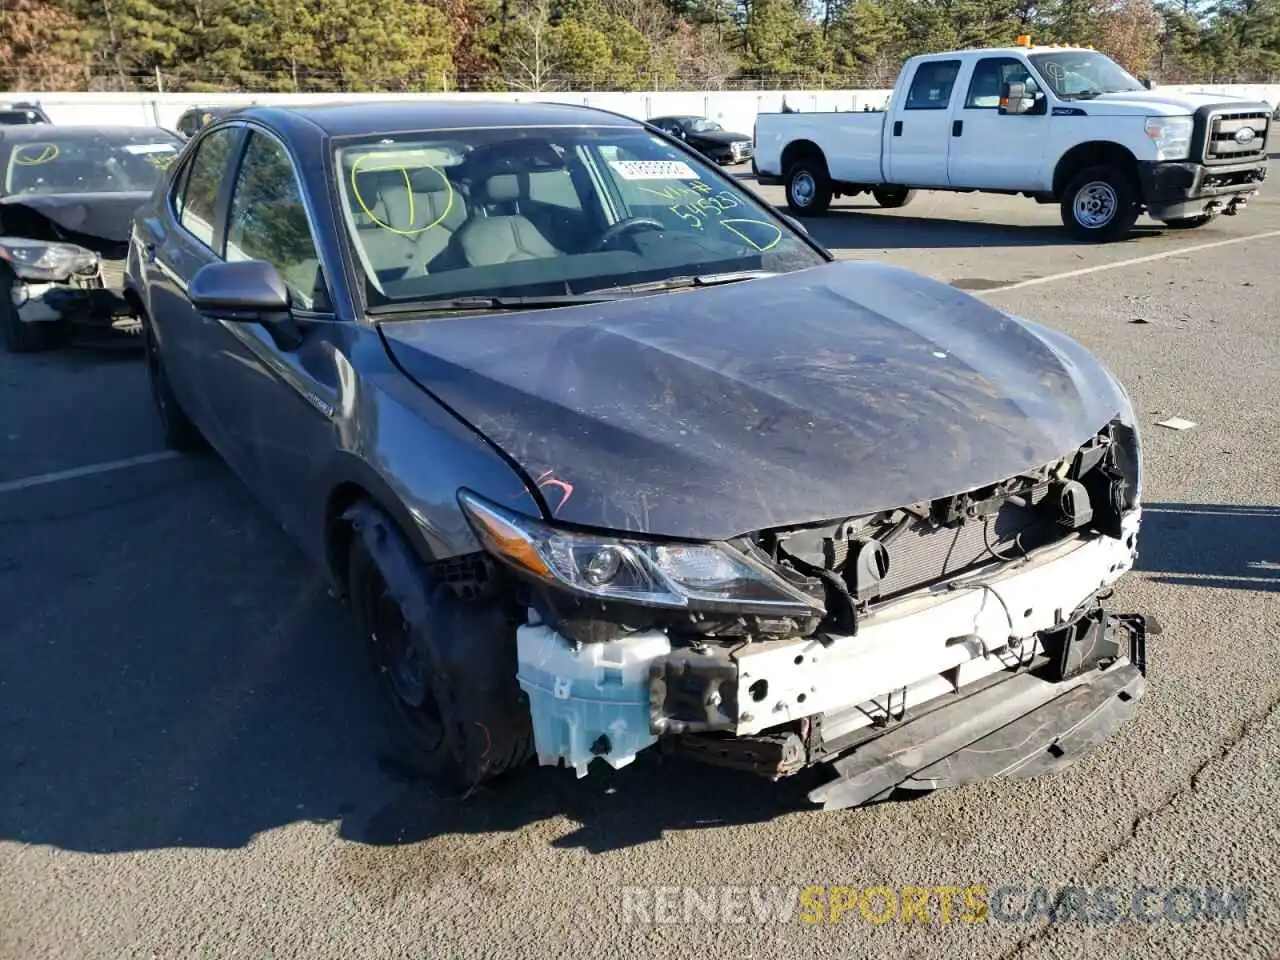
(359, 118)
(44, 131)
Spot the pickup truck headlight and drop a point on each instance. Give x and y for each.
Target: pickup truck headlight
(705, 576)
(38, 260)
(1171, 136)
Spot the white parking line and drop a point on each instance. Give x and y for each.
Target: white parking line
(26, 483)
(1163, 255)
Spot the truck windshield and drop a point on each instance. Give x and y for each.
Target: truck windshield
(546, 211)
(1075, 74)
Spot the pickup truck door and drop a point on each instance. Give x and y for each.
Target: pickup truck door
(918, 133)
(995, 150)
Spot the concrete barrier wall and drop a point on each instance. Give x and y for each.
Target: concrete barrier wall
(734, 110)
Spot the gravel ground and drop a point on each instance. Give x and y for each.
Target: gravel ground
(191, 763)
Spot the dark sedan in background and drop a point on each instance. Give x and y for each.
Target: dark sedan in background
(67, 197)
(708, 138)
(606, 452)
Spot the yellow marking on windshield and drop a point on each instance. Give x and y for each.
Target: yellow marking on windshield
(358, 168)
(48, 151)
(746, 239)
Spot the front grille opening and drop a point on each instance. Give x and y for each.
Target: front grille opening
(1222, 143)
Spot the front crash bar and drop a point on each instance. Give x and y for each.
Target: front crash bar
(1022, 727)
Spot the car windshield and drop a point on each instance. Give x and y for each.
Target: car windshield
(83, 163)
(698, 125)
(547, 211)
(13, 117)
(1074, 73)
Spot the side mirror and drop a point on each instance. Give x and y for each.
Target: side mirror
(246, 291)
(1148, 83)
(1014, 100)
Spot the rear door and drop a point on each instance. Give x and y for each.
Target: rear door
(919, 129)
(996, 150)
(183, 234)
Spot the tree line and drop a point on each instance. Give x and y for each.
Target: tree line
(548, 45)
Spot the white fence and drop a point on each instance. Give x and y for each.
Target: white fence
(734, 110)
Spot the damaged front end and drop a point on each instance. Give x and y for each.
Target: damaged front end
(60, 284)
(928, 644)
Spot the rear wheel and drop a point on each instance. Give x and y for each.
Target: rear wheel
(446, 666)
(1100, 205)
(809, 187)
(180, 433)
(22, 337)
(893, 197)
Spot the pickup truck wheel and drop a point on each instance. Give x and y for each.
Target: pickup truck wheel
(1099, 205)
(446, 666)
(179, 431)
(893, 197)
(808, 187)
(22, 337)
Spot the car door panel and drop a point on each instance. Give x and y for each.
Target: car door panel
(276, 401)
(994, 150)
(918, 135)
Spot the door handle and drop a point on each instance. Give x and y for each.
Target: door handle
(897, 128)
(957, 127)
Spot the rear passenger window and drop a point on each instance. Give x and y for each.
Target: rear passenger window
(556, 188)
(931, 86)
(269, 221)
(197, 199)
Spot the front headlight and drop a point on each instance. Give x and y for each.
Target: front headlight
(704, 576)
(1171, 136)
(37, 260)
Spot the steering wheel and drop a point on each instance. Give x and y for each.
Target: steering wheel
(626, 226)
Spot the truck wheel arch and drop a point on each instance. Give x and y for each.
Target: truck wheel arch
(1091, 154)
(799, 149)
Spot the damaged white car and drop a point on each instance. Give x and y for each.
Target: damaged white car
(67, 195)
(610, 457)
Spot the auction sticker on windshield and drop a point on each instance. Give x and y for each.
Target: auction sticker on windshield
(653, 170)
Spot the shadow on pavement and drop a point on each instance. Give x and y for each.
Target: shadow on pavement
(1211, 545)
(864, 227)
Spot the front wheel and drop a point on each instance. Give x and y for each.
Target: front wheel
(446, 666)
(1100, 205)
(893, 197)
(809, 187)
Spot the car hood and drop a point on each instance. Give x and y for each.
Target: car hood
(79, 217)
(826, 393)
(1158, 103)
(723, 137)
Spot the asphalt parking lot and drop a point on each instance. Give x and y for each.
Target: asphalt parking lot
(191, 763)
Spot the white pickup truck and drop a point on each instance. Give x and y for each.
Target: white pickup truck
(1063, 125)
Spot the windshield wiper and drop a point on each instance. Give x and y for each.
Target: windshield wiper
(1083, 95)
(487, 303)
(702, 280)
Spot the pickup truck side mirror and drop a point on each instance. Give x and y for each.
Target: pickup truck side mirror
(1148, 83)
(1015, 101)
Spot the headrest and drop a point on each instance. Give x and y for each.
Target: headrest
(502, 187)
(394, 204)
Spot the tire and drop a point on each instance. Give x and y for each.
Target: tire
(180, 432)
(1190, 223)
(893, 197)
(22, 337)
(446, 667)
(1100, 205)
(809, 187)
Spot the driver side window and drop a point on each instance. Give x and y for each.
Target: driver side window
(269, 221)
(989, 77)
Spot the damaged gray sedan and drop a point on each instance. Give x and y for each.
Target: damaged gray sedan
(609, 457)
(67, 195)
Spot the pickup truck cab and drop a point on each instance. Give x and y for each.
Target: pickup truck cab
(1063, 125)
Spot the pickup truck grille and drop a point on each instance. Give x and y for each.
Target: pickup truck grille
(1222, 144)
